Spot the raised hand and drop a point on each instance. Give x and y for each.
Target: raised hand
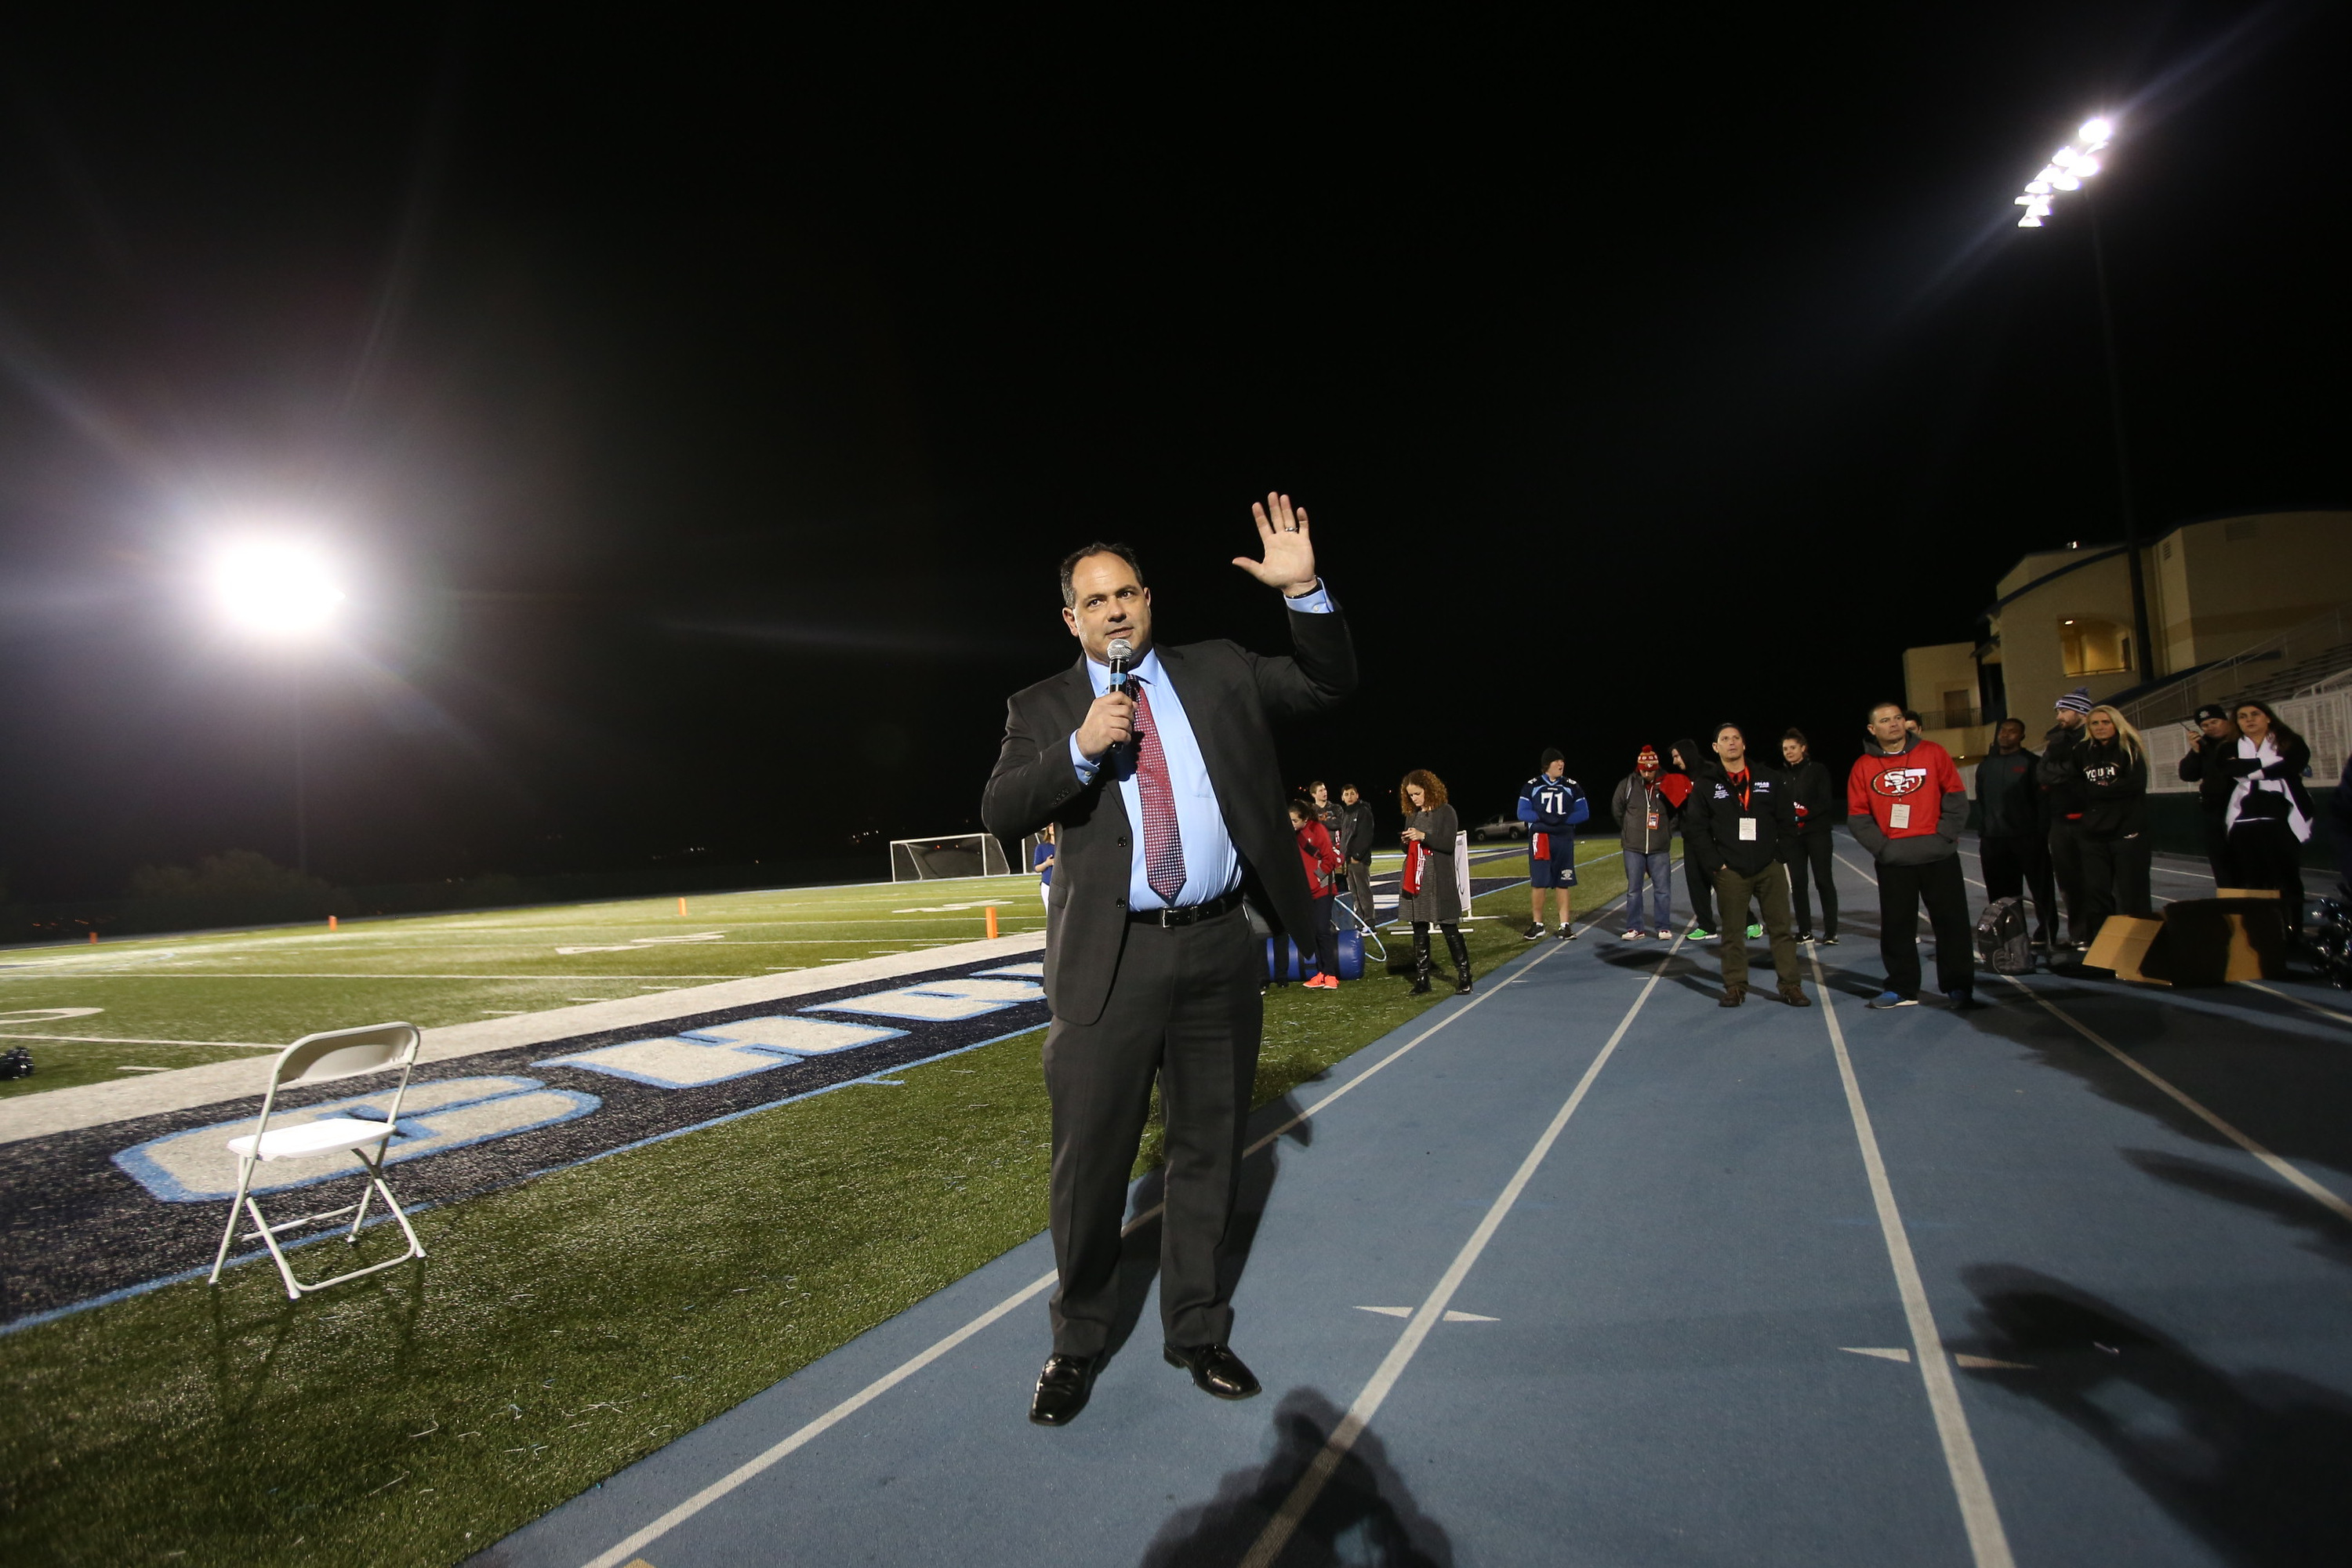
(1282, 533)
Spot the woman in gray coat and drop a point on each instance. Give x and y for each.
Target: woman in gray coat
(1430, 832)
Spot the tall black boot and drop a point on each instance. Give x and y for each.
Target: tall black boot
(1460, 948)
(1421, 961)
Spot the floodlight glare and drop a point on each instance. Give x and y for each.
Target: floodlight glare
(276, 590)
(2086, 166)
(2097, 128)
(2067, 183)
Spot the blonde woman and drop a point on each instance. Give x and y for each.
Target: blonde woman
(1430, 826)
(2116, 843)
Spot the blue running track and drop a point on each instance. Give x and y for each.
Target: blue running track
(1607, 1274)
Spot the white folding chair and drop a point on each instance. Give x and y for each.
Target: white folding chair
(317, 1058)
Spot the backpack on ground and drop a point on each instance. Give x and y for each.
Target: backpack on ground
(2003, 945)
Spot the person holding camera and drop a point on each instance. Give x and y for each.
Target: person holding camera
(2213, 735)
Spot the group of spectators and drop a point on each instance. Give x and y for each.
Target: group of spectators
(2064, 830)
(2069, 826)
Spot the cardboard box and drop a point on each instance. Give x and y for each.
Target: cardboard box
(2121, 945)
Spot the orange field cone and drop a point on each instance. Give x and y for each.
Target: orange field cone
(93, 936)
(681, 906)
(991, 920)
(331, 922)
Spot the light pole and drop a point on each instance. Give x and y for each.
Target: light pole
(2070, 169)
(283, 593)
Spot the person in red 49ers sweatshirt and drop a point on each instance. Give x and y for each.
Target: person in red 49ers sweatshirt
(1905, 804)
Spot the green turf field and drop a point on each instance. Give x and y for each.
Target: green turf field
(566, 1327)
(158, 1003)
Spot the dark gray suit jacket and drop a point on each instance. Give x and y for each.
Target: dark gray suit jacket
(1229, 697)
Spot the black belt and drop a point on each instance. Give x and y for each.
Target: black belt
(1191, 914)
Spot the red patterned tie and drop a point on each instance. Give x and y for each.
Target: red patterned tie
(1163, 844)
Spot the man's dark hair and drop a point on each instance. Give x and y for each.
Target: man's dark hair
(1346, 787)
(2005, 723)
(1717, 733)
(1070, 563)
(1793, 733)
(1872, 712)
(1910, 715)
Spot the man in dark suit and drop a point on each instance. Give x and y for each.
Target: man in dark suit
(1167, 806)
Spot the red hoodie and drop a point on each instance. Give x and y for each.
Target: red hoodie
(1315, 854)
(1903, 794)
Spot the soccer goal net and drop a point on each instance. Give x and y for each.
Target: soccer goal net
(957, 855)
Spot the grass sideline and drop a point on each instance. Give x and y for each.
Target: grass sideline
(233, 993)
(566, 1327)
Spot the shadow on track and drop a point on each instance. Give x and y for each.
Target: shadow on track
(2253, 1462)
(2282, 1086)
(2330, 1238)
(1365, 1515)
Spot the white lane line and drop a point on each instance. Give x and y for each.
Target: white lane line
(621, 1554)
(2288, 996)
(2280, 1168)
(735, 1478)
(1286, 1522)
(1855, 869)
(1987, 1542)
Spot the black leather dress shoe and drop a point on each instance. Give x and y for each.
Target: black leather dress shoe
(1215, 1369)
(1063, 1389)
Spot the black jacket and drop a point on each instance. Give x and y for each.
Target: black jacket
(2114, 788)
(2295, 756)
(1230, 697)
(2009, 796)
(2061, 772)
(1712, 815)
(2202, 764)
(1814, 790)
(1354, 839)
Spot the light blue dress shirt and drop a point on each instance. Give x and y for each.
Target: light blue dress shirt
(1211, 866)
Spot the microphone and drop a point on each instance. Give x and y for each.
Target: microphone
(1122, 654)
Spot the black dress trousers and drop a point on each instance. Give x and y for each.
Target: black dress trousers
(1183, 1009)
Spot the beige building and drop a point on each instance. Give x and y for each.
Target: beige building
(2243, 604)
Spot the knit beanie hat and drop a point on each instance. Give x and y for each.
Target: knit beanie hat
(1552, 754)
(2212, 711)
(2077, 700)
(1647, 762)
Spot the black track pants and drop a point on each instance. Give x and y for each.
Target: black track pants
(1901, 890)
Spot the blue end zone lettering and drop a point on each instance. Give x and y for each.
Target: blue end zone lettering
(940, 1000)
(1035, 970)
(194, 1166)
(719, 1052)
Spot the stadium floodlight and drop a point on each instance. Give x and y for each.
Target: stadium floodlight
(276, 588)
(951, 855)
(2067, 169)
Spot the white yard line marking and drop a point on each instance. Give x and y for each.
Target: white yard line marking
(1987, 1542)
(2286, 1171)
(618, 1555)
(1284, 1523)
(2288, 996)
(268, 974)
(136, 1040)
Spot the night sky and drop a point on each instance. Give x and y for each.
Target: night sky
(699, 407)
